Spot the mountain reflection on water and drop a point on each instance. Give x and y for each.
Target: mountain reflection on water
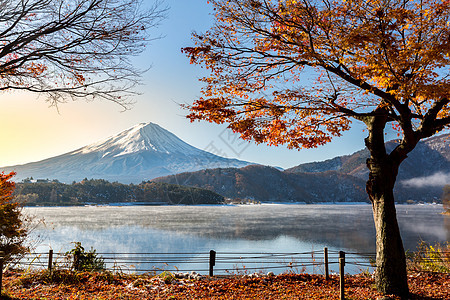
(276, 228)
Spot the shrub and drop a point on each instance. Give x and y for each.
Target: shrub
(430, 258)
(85, 260)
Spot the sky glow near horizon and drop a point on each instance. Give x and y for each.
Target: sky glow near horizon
(31, 131)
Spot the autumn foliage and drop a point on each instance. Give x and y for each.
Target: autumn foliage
(83, 285)
(13, 231)
(297, 72)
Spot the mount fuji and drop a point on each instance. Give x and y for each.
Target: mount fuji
(140, 153)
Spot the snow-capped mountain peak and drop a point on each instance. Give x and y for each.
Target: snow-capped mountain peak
(142, 137)
(142, 152)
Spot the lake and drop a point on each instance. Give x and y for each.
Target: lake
(268, 228)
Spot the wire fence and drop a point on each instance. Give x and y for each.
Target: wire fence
(218, 262)
(314, 262)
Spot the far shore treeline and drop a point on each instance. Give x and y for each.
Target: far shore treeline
(102, 192)
(99, 191)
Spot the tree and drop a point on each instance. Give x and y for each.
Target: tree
(13, 226)
(77, 49)
(299, 72)
(446, 199)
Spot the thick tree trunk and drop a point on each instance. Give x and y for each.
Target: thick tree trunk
(391, 277)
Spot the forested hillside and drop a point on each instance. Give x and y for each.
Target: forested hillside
(264, 183)
(429, 157)
(98, 191)
(267, 184)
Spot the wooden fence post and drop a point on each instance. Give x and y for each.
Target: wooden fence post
(341, 274)
(325, 259)
(212, 262)
(50, 260)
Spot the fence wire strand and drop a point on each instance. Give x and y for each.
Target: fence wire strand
(229, 262)
(224, 261)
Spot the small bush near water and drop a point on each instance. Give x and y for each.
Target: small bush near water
(85, 260)
(430, 258)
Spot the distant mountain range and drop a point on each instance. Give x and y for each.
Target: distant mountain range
(140, 153)
(149, 152)
(430, 156)
(341, 179)
(268, 184)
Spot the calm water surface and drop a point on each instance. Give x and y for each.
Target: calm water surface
(248, 228)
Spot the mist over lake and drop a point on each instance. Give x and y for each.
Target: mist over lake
(265, 228)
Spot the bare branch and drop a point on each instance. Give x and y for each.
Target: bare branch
(75, 49)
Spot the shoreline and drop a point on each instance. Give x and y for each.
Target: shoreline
(150, 204)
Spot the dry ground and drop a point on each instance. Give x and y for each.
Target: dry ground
(71, 285)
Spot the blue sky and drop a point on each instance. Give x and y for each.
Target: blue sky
(32, 131)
